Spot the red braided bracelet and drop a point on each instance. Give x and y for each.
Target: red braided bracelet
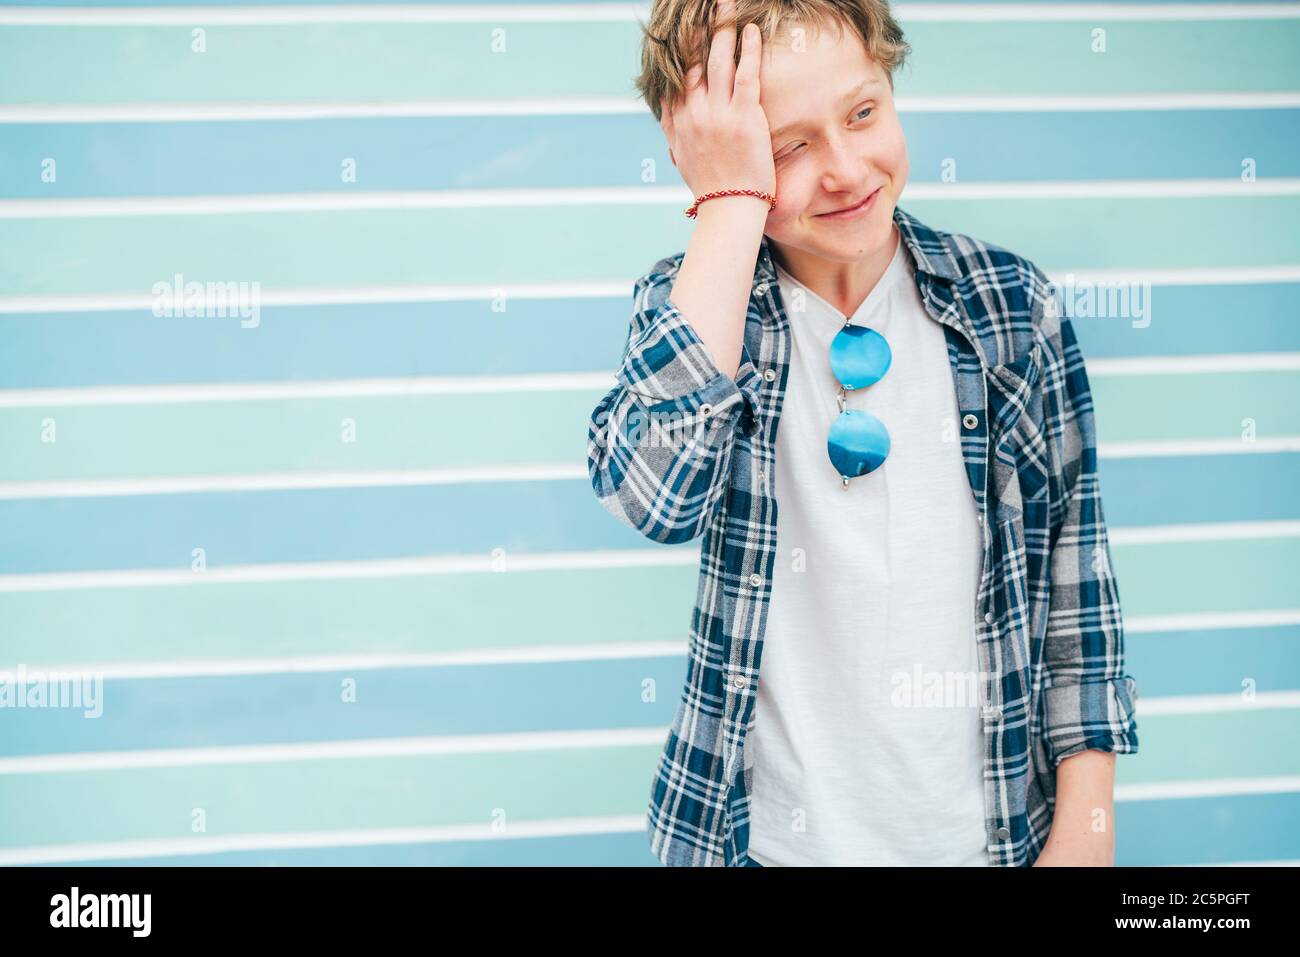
(693, 209)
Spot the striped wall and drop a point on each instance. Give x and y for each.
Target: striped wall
(339, 565)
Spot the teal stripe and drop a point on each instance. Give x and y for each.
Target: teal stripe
(524, 609)
(1219, 744)
(283, 797)
(506, 428)
(502, 245)
(394, 615)
(366, 61)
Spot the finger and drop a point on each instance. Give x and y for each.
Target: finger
(751, 46)
(694, 79)
(722, 59)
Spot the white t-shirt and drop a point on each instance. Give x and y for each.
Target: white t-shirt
(874, 597)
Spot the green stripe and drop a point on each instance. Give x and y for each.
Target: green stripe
(351, 62)
(498, 245)
(285, 796)
(444, 431)
(521, 609)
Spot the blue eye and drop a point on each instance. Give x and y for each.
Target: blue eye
(865, 109)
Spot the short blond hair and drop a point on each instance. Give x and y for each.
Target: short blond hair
(680, 31)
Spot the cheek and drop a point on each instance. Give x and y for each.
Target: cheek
(794, 190)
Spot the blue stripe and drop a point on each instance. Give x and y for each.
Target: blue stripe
(390, 703)
(316, 342)
(159, 531)
(1210, 830)
(1214, 661)
(517, 698)
(54, 350)
(415, 153)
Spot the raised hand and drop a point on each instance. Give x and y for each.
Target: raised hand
(717, 132)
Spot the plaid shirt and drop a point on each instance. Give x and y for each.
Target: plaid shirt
(1050, 634)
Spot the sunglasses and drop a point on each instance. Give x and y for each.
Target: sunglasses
(858, 442)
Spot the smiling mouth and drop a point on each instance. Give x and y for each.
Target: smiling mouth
(856, 205)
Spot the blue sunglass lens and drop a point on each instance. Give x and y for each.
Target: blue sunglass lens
(858, 443)
(860, 356)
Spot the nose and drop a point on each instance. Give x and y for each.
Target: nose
(843, 170)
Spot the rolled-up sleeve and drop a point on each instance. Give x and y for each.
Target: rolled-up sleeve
(1088, 702)
(659, 443)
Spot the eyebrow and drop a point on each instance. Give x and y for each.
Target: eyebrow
(868, 84)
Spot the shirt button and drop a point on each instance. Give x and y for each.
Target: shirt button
(980, 518)
(969, 421)
(755, 580)
(706, 409)
(761, 475)
(740, 681)
(761, 289)
(988, 617)
(769, 375)
(995, 714)
(1003, 834)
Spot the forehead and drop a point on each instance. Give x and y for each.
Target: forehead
(807, 70)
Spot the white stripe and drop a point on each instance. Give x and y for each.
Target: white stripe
(368, 748)
(606, 12)
(1217, 703)
(532, 383)
(353, 837)
(318, 389)
(1176, 447)
(671, 555)
(1205, 621)
(320, 296)
(220, 668)
(1213, 787)
(597, 105)
(603, 196)
(1238, 275)
(1181, 365)
(272, 481)
(1203, 532)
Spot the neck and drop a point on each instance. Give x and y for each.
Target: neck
(844, 285)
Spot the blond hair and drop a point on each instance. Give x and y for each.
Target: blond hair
(680, 31)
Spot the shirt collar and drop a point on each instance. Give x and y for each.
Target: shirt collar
(929, 249)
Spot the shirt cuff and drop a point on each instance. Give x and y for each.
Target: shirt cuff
(670, 368)
(1093, 715)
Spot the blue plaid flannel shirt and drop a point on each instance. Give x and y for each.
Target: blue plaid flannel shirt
(1050, 631)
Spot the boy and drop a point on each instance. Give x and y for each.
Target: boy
(918, 556)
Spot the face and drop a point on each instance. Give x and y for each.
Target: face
(836, 140)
